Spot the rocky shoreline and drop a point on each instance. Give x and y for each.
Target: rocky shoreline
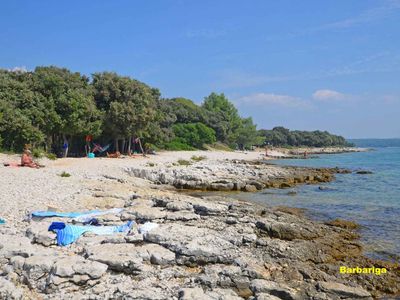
(234, 175)
(203, 247)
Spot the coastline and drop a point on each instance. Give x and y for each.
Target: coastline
(298, 152)
(204, 247)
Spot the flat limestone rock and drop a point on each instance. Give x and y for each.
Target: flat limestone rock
(204, 207)
(266, 286)
(11, 245)
(70, 266)
(343, 290)
(9, 291)
(223, 294)
(182, 216)
(192, 244)
(146, 213)
(39, 234)
(193, 294)
(179, 205)
(264, 296)
(118, 257)
(158, 254)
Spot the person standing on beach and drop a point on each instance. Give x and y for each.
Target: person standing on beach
(88, 140)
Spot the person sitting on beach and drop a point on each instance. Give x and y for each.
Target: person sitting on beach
(27, 161)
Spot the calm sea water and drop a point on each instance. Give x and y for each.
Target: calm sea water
(373, 200)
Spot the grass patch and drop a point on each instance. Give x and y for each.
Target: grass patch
(184, 162)
(178, 146)
(37, 153)
(218, 146)
(150, 164)
(9, 152)
(65, 174)
(51, 156)
(198, 158)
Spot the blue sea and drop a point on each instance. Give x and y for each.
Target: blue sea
(372, 200)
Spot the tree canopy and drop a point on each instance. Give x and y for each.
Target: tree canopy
(280, 136)
(53, 108)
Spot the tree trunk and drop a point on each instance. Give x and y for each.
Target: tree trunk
(123, 146)
(49, 142)
(65, 146)
(116, 145)
(129, 145)
(141, 148)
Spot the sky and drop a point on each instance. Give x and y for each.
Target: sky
(307, 65)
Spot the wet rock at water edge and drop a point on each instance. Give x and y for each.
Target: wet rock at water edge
(364, 172)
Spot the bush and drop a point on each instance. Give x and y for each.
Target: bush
(194, 134)
(176, 145)
(184, 162)
(51, 156)
(282, 137)
(65, 174)
(218, 146)
(37, 153)
(198, 158)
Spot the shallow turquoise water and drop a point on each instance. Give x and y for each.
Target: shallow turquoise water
(371, 200)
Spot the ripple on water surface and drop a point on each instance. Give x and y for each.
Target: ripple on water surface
(371, 200)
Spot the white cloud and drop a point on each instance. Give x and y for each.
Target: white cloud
(272, 99)
(22, 69)
(373, 14)
(328, 95)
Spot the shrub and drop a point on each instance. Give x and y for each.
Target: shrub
(183, 162)
(51, 156)
(218, 146)
(198, 158)
(37, 153)
(65, 174)
(194, 134)
(176, 145)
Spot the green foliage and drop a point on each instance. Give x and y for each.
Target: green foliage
(247, 135)
(283, 137)
(37, 153)
(43, 105)
(51, 156)
(50, 106)
(198, 158)
(128, 104)
(183, 162)
(194, 134)
(65, 174)
(218, 146)
(223, 117)
(176, 145)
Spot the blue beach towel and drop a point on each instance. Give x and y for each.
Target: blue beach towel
(67, 234)
(77, 216)
(2, 221)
